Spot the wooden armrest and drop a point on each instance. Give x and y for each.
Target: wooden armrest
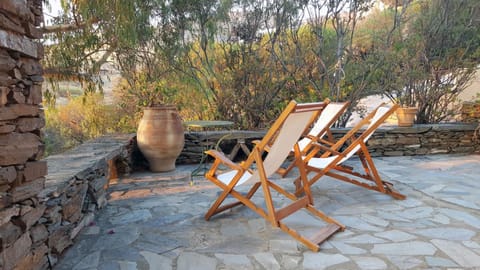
(219, 156)
(266, 148)
(326, 149)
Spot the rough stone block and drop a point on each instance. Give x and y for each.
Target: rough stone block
(7, 174)
(14, 111)
(408, 140)
(39, 233)
(5, 188)
(5, 79)
(27, 190)
(35, 94)
(25, 109)
(7, 214)
(36, 260)
(32, 31)
(72, 209)
(7, 63)
(3, 94)
(17, 97)
(34, 170)
(31, 217)
(17, 148)
(15, 252)
(85, 173)
(438, 151)
(421, 151)
(6, 113)
(17, 8)
(59, 240)
(393, 153)
(5, 200)
(86, 219)
(18, 43)
(9, 233)
(17, 74)
(11, 23)
(7, 128)
(98, 183)
(52, 214)
(30, 66)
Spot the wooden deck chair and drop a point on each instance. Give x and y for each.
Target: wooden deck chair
(256, 172)
(319, 130)
(330, 162)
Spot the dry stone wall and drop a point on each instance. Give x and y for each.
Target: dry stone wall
(454, 138)
(76, 188)
(22, 173)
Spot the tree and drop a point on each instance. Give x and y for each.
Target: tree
(432, 58)
(88, 33)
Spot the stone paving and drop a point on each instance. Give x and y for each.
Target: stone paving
(155, 221)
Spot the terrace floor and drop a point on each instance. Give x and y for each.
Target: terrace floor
(155, 221)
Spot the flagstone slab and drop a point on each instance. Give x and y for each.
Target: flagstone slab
(455, 234)
(411, 248)
(405, 262)
(417, 212)
(284, 246)
(369, 263)
(195, 261)
(347, 249)
(364, 239)
(396, 235)
(131, 217)
(375, 220)
(462, 216)
(267, 260)
(317, 261)
(117, 237)
(458, 252)
(439, 262)
(290, 262)
(156, 261)
(88, 262)
(234, 261)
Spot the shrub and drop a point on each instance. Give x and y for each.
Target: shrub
(82, 119)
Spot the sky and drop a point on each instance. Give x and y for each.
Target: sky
(53, 9)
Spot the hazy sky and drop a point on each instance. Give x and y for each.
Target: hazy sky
(52, 9)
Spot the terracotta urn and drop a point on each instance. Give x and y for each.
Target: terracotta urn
(406, 116)
(160, 137)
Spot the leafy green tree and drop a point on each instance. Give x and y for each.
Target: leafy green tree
(88, 33)
(432, 57)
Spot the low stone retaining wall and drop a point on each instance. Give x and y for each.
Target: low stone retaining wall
(386, 141)
(75, 187)
(455, 138)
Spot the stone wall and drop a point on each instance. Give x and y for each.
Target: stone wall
(386, 141)
(22, 174)
(76, 188)
(36, 231)
(454, 138)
